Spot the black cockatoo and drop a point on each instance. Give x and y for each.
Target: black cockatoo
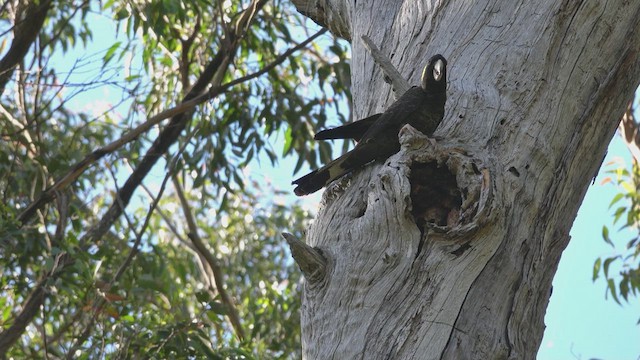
(421, 106)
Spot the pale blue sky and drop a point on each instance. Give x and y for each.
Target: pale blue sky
(580, 322)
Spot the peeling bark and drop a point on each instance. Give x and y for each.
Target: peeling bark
(536, 90)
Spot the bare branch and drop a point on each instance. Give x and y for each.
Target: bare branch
(310, 260)
(335, 15)
(398, 83)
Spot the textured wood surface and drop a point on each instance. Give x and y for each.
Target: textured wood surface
(536, 90)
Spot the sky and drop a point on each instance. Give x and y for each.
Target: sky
(581, 323)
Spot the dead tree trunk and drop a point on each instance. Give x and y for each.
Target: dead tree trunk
(536, 90)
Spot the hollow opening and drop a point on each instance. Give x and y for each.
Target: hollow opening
(435, 196)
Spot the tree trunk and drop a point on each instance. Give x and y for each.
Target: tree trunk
(536, 90)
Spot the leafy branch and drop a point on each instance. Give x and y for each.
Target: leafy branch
(72, 175)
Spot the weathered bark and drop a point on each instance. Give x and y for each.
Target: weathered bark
(536, 90)
(333, 14)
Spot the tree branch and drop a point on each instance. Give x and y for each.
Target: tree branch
(25, 32)
(30, 308)
(135, 248)
(162, 143)
(167, 137)
(398, 83)
(201, 248)
(332, 14)
(187, 105)
(310, 260)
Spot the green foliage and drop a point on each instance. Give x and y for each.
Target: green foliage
(624, 282)
(163, 308)
(145, 290)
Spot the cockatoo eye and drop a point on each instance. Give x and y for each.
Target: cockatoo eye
(437, 70)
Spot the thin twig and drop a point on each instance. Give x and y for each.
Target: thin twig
(216, 91)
